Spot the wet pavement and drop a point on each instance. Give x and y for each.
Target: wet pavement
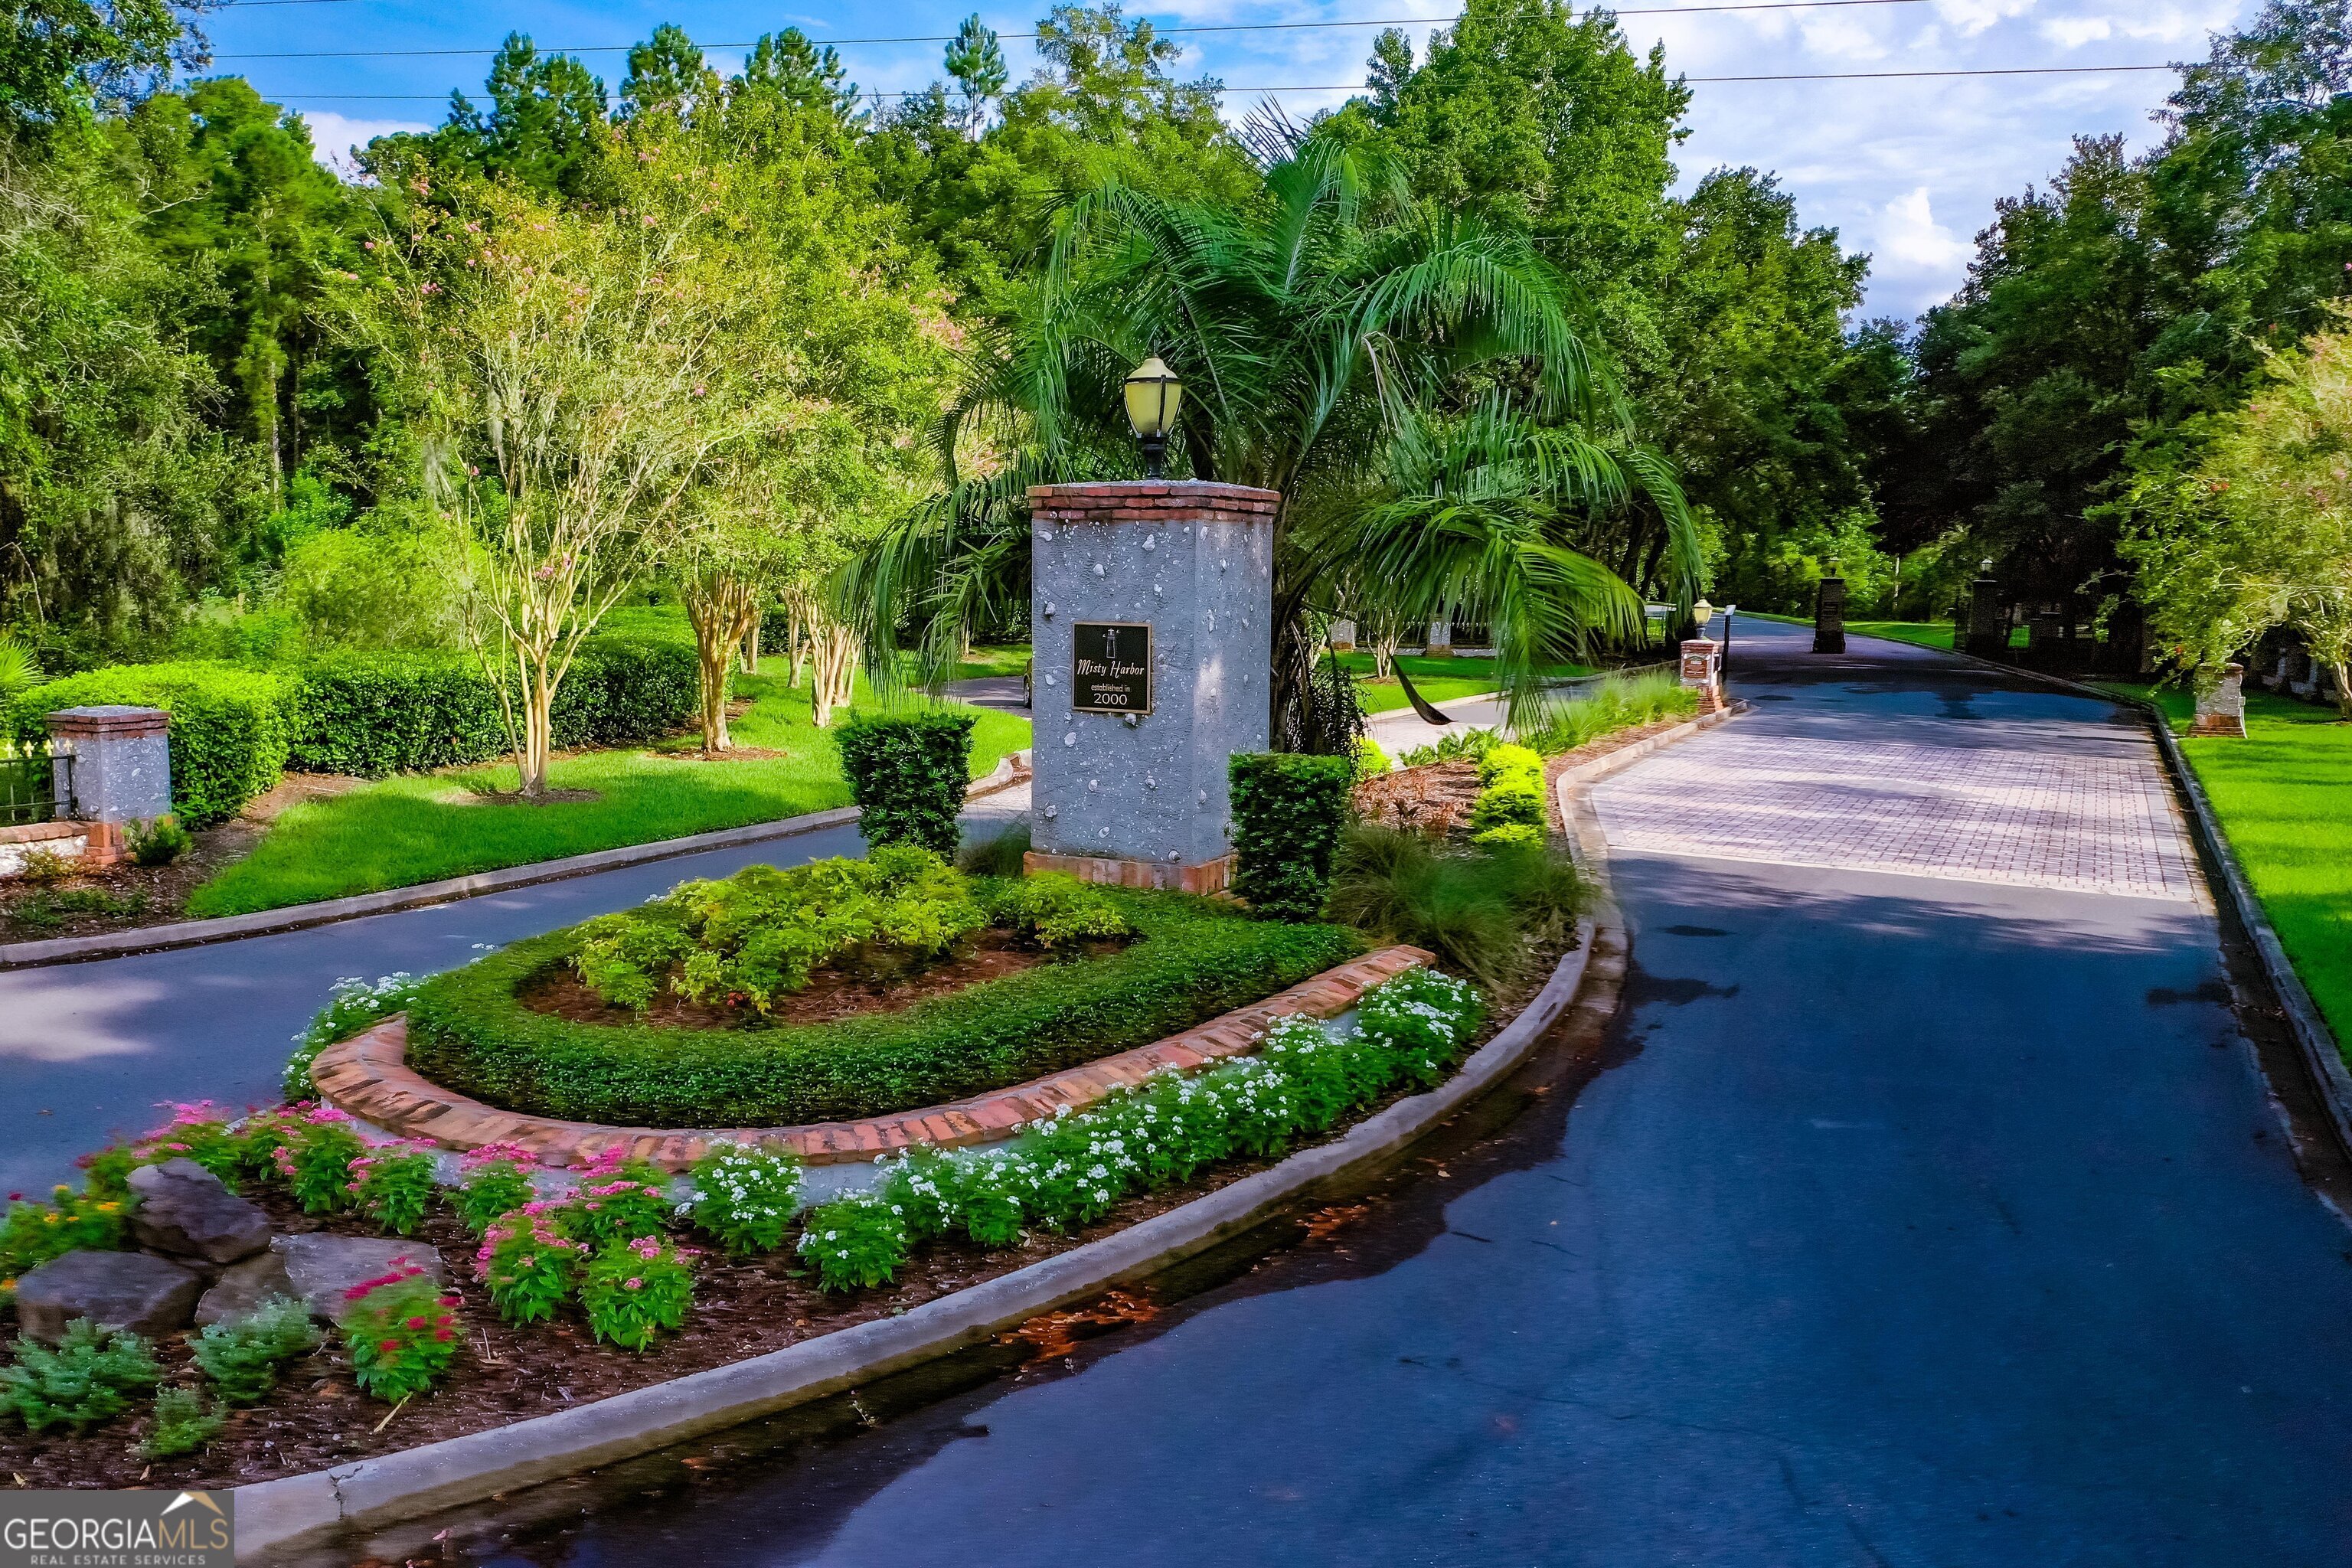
(1909, 1219)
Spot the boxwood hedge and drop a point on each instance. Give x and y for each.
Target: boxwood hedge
(1195, 958)
(228, 726)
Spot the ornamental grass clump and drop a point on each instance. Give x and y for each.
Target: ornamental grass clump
(854, 1243)
(241, 1356)
(757, 936)
(1484, 909)
(183, 1425)
(745, 1197)
(633, 1291)
(496, 1181)
(1622, 702)
(314, 1157)
(401, 1331)
(527, 1263)
(392, 1183)
(88, 1378)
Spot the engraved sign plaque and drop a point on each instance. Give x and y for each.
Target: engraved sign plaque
(1111, 666)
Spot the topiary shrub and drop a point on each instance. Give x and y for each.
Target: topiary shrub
(1288, 813)
(373, 714)
(229, 726)
(907, 772)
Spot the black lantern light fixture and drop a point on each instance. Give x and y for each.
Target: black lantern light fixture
(1153, 394)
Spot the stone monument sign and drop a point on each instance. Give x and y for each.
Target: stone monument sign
(1151, 608)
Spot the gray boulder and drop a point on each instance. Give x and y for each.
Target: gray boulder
(183, 1209)
(242, 1287)
(134, 1291)
(320, 1268)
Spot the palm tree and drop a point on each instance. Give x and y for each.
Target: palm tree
(1411, 380)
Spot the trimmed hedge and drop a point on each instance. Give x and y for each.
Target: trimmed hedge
(229, 729)
(907, 773)
(372, 714)
(1195, 958)
(1289, 810)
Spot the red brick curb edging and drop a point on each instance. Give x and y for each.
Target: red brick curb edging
(369, 1077)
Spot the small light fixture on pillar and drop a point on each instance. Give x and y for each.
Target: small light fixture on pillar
(1153, 396)
(1702, 613)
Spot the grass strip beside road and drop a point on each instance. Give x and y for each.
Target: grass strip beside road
(422, 828)
(1438, 679)
(2283, 798)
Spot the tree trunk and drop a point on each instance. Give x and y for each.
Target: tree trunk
(832, 671)
(752, 647)
(538, 723)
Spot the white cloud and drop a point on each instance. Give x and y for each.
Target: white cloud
(333, 136)
(1909, 239)
(1973, 17)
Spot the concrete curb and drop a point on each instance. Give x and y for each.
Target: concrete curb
(296, 917)
(2322, 1057)
(310, 1511)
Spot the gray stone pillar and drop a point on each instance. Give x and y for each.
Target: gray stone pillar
(1441, 640)
(1152, 617)
(1343, 637)
(1987, 629)
(1829, 615)
(2221, 707)
(113, 766)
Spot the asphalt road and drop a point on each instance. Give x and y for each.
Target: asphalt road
(88, 1050)
(1914, 1219)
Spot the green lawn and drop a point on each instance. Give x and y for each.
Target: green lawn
(417, 828)
(1438, 679)
(1921, 634)
(2283, 795)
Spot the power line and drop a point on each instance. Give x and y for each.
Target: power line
(1359, 87)
(949, 38)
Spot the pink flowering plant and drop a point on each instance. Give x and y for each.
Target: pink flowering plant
(401, 1331)
(745, 1197)
(198, 1130)
(633, 1290)
(497, 1182)
(527, 1264)
(392, 1183)
(314, 1158)
(616, 1200)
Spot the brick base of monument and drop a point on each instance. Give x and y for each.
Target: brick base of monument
(1207, 877)
(2230, 725)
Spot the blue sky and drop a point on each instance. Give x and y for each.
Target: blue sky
(1907, 170)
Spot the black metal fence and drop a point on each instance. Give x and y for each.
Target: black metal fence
(27, 785)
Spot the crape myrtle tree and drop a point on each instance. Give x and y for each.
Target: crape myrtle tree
(2259, 534)
(570, 372)
(1411, 380)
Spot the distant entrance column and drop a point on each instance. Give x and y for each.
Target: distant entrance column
(1829, 614)
(1152, 610)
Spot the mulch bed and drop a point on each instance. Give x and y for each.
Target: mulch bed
(742, 1307)
(831, 994)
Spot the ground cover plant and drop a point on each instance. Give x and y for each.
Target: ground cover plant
(420, 827)
(2283, 798)
(755, 938)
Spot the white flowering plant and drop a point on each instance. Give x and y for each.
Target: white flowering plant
(353, 1004)
(744, 1197)
(854, 1243)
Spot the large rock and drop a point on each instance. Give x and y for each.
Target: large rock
(243, 1286)
(320, 1268)
(184, 1209)
(134, 1291)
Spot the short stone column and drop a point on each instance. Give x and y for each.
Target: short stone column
(1343, 637)
(113, 766)
(1441, 640)
(1829, 615)
(2221, 707)
(1151, 611)
(1987, 629)
(1702, 671)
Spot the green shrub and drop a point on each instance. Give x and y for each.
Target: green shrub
(1483, 910)
(1371, 761)
(314, 1155)
(625, 690)
(392, 1183)
(907, 772)
(35, 1233)
(1054, 910)
(156, 843)
(241, 1357)
(1287, 813)
(181, 1426)
(87, 1380)
(229, 726)
(632, 1291)
(1195, 958)
(744, 1197)
(1511, 792)
(527, 1263)
(760, 934)
(854, 1243)
(1455, 746)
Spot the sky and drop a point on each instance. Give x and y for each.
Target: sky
(1905, 169)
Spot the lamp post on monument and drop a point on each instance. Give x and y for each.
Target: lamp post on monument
(1702, 667)
(1151, 616)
